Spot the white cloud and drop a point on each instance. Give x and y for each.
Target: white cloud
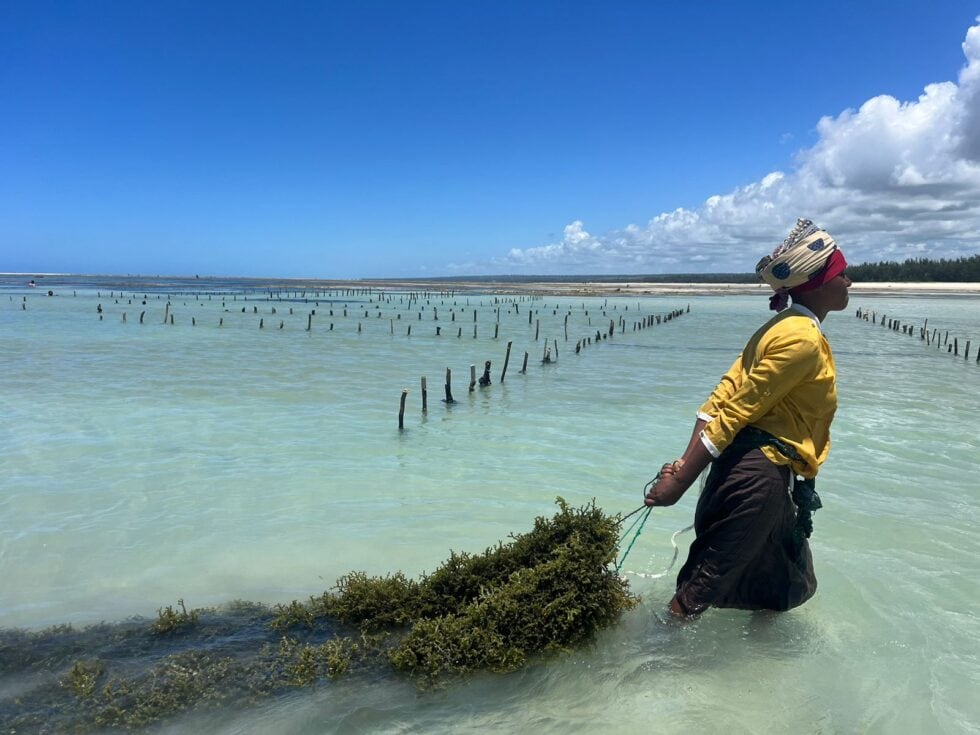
(890, 180)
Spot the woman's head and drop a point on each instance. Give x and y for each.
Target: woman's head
(806, 261)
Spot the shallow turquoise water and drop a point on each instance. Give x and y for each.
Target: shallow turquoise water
(147, 462)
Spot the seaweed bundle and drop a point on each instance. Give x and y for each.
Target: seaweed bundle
(543, 592)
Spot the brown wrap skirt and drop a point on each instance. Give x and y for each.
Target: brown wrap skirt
(744, 555)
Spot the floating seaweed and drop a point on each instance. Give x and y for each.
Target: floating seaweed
(543, 592)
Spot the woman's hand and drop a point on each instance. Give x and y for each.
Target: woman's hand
(667, 491)
(670, 493)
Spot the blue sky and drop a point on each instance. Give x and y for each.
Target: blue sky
(412, 139)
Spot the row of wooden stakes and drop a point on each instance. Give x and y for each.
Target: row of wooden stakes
(940, 340)
(546, 359)
(168, 317)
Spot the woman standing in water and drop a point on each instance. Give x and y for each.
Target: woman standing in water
(766, 422)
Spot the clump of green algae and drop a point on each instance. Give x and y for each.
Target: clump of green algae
(170, 620)
(543, 592)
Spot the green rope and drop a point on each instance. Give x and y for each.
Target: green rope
(624, 534)
(641, 519)
(642, 522)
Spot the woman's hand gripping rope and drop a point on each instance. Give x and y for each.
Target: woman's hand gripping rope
(652, 496)
(665, 489)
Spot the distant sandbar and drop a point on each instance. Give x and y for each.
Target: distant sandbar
(601, 288)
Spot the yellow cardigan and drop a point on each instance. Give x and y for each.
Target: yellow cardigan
(785, 383)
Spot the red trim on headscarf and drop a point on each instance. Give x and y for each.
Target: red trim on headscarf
(836, 264)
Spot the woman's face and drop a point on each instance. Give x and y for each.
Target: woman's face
(835, 291)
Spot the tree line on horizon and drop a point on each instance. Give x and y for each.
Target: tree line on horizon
(964, 270)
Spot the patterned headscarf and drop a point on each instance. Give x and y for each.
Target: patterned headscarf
(800, 263)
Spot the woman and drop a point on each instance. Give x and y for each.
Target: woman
(766, 422)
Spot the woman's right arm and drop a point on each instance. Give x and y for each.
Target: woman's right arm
(678, 476)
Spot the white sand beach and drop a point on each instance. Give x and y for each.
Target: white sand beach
(596, 288)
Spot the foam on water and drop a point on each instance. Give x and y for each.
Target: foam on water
(145, 463)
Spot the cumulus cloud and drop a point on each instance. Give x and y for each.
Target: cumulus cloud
(890, 180)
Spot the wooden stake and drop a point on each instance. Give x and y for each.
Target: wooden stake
(506, 360)
(472, 377)
(449, 387)
(401, 410)
(524, 366)
(425, 397)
